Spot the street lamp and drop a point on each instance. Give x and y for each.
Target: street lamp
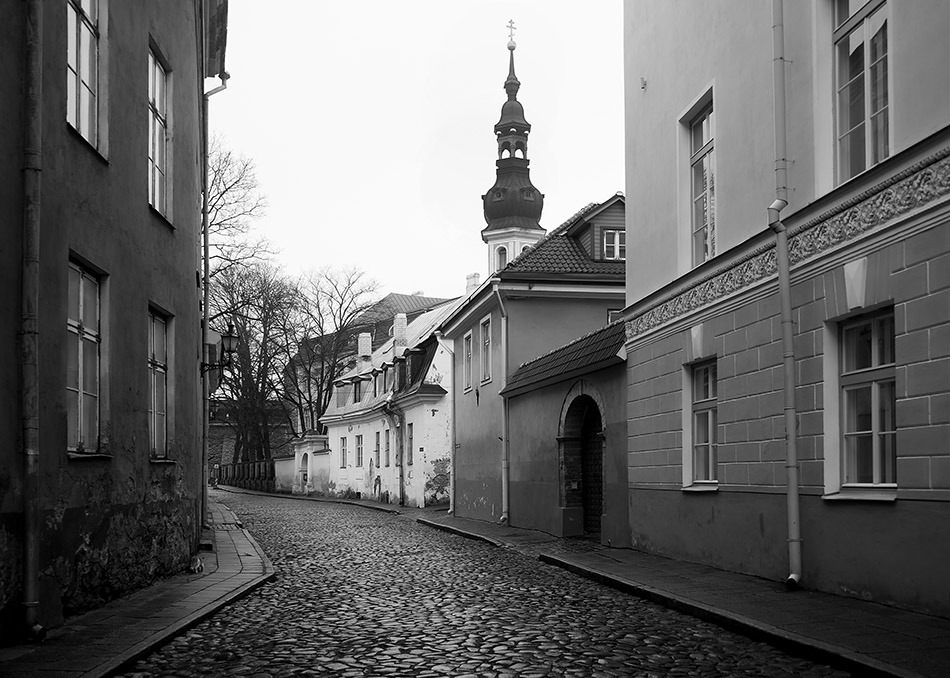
(229, 342)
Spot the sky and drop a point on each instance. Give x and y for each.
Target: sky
(371, 124)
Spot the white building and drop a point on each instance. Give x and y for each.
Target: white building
(389, 423)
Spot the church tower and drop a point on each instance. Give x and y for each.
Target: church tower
(513, 205)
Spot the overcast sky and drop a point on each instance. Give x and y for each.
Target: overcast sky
(371, 124)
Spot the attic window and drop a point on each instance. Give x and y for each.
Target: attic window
(615, 245)
(527, 194)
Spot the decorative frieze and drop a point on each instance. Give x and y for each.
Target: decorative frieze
(910, 189)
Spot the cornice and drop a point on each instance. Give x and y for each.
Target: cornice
(915, 187)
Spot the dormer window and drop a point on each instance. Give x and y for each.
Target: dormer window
(357, 391)
(615, 245)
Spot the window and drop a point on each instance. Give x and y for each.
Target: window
(343, 452)
(409, 446)
(82, 68)
(157, 385)
(703, 183)
(82, 365)
(467, 361)
(704, 421)
(868, 401)
(861, 86)
(357, 391)
(615, 245)
(375, 384)
(485, 330)
(377, 449)
(157, 134)
(359, 451)
(386, 435)
(501, 255)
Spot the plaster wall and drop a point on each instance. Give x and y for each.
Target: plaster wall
(114, 522)
(537, 325)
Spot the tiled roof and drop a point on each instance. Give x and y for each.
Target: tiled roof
(591, 350)
(558, 252)
(394, 303)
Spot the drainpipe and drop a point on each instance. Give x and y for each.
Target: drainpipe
(397, 421)
(206, 311)
(505, 447)
(29, 312)
(443, 343)
(785, 295)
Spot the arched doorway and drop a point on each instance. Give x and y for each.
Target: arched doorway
(582, 459)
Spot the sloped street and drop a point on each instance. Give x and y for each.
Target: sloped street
(367, 593)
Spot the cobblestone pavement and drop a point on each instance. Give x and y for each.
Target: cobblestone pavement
(365, 593)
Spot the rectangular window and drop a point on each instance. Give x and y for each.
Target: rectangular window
(485, 330)
(467, 361)
(703, 185)
(157, 385)
(357, 391)
(359, 451)
(82, 67)
(868, 401)
(157, 134)
(410, 443)
(377, 449)
(615, 245)
(861, 69)
(704, 421)
(386, 435)
(375, 385)
(82, 365)
(343, 452)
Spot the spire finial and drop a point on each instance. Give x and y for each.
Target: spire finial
(511, 34)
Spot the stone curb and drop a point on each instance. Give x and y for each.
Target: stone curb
(149, 645)
(460, 532)
(808, 647)
(299, 497)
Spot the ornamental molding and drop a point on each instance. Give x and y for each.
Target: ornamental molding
(910, 189)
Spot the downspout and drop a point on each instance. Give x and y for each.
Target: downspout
(397, 420)
(451, 389)
(205, 301)
(29, 313)
(785, 295)
(505, 448)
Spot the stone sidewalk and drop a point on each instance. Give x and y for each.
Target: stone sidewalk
(866, 638)
(99, 642)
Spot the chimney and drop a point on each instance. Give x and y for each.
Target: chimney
(399, 332)
(471, 282)
(365, 346)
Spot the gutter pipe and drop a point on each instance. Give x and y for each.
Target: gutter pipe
(205, 301)
(444, 343)
(785, 294)
(29, 313)
(505, 443)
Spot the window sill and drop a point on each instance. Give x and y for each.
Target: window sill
(87, 455)
(162, 460)
(78, 135)
(157, 214)
(485, 381)
(885, 493)
(702, 486)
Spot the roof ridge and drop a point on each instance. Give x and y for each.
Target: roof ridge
(573, 219)
(619, 321)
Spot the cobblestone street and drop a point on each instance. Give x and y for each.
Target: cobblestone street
(366, 593)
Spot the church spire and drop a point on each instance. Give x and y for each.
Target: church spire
(513, 205)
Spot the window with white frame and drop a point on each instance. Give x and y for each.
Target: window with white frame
(409, 444)
(467, 361)
(82, 68)
(82, 364)
(343, 452)
(861, 71)
(386, 437)
(868, 401)
(703, 185)
(157, 134)
(377, 449)
(615, 244)
(501, 255)
(359, 451)
(704, 421)
(157, 385)
(485, 331)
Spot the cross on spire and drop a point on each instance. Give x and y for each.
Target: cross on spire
(511, 29)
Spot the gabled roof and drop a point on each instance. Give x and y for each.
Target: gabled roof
(393, 303)
(588, 353)
(559, 252)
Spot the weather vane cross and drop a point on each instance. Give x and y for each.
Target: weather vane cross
(511, 29)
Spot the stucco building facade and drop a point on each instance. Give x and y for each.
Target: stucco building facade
(867, 106)
(100, 157)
